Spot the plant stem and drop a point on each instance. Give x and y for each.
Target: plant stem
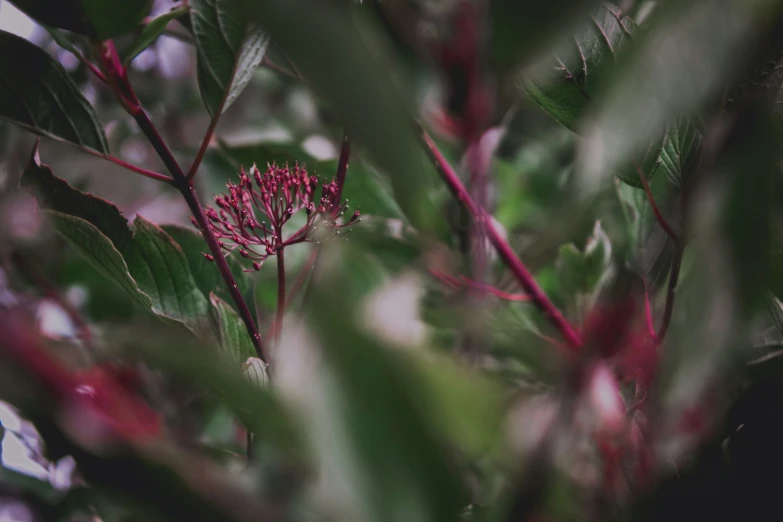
(342, 167)
(674, 276)
(133, 168)
(188, 192)
(203, 148)
(525, 278)
(280, 296)
(654, 206)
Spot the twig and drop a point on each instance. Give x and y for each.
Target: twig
(525, 278)
(204, 144)
(674, 276)
(654, 206)
(455, 283)
(269, 64)
(133, 168)
(123, 90)
(280, 294)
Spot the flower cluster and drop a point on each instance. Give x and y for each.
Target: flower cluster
(252, 215)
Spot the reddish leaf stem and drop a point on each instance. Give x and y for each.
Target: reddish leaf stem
(203, 148)
(654, 206)
(520, 271)
(455, 283)
(342, 168)
(133, 168)
(280, 296)
(674, 276)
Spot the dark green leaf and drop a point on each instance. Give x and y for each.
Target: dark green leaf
(520, 29)
(97, 19)
(37, 94)
(576, 76)
(162, 271)
(229, 50)
(234, 338)
(681, 151)
(152, 30)
(205, 273)
(658, 81)
(99, 251)
(62, 40)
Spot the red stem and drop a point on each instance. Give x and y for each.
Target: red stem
(188, 192)
(525, 278)
(123, 90)
(280, 296)
(133, 168)
(654, 206)
(203, 148)
(342, 168)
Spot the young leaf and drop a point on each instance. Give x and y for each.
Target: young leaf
(162, 271)
(36, 93)
(229, 50)
(98, 250)
(234, 339)
(152, 30)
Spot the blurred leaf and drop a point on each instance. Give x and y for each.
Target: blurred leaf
(466, 407)
(581, 272)
(566, 88)
(255, 371)
(36, 93)
(520, 29)
(261, 154)
(680, 151)
(384, 433)
(152, 30)
(234, 338)
(229, 50)
(659, 81)
(164, 274)
(62, 40)
(97, 19)
(355, 71)
(364, 188)
(98, 250)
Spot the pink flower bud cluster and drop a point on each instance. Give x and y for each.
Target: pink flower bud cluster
(252, 215)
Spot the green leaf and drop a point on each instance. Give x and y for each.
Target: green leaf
(658, 81)
(98, 19)
(680, 151)
(229, 50)
(36, 93)
(204, 272)
(576, 76)
(520, 30)
(152, 30)
(62, 40)
(98, 250)
(580, 272)
(154, 260)
(162, 271)
(234, 338)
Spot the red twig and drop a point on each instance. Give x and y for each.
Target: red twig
(203, 148)
(648, 312)
(133, 168)
(520, 271)
(455, 283)
(342, 168)
(654, 206)
(123, 90)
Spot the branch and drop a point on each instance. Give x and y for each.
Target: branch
(651, 199)
(674, 276)
(133, 168)
(123, 90)
(525, 278)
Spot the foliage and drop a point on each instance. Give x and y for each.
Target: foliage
(391, 260)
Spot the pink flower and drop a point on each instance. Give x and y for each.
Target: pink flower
(251, 216)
